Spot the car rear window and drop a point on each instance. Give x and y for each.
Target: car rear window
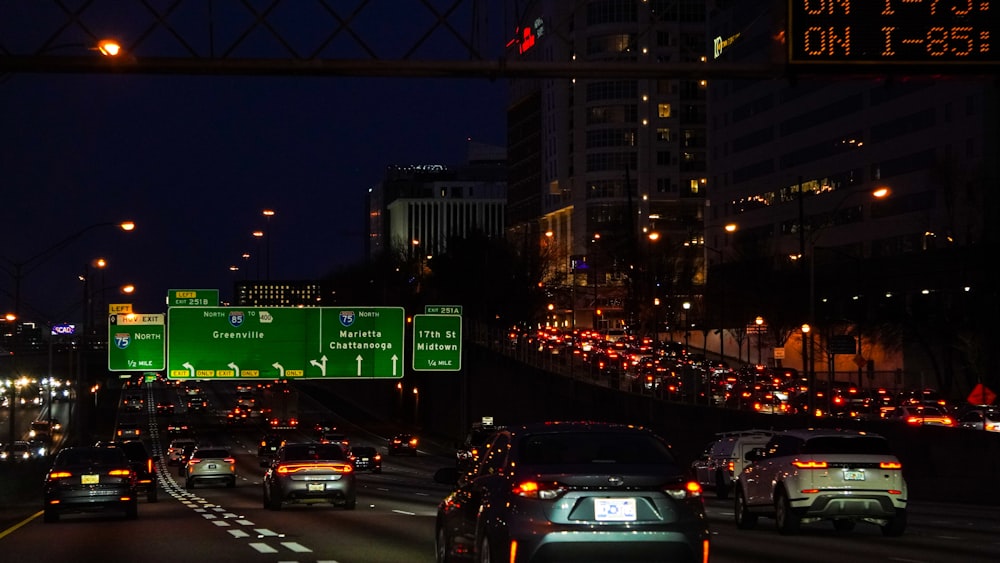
(862, 445)
(314, 451)
(89, 456)
(569, 448)
(212, 454)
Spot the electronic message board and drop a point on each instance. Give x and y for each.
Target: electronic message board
(932, 33)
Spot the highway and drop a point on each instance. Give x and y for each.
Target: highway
(394, 519)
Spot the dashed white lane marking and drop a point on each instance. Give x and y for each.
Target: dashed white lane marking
(264, 533)
(262, 547)
(404, 512)
(239, 534)
(221, 523)
(296, 547)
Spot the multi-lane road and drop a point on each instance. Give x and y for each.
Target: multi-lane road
(394, 518)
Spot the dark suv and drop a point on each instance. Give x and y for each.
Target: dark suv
(143, 464)
(468, 451)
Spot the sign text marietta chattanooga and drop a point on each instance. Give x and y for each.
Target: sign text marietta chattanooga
(334, 345)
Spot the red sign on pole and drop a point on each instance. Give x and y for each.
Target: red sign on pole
(981, 395)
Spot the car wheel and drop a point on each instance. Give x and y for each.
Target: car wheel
(785, 517)
(745, 520)
(274, 500)
(351, 504)
(721, 487)
(132, 510)
(51, 515)
(151, 495)
(231, 483)
(896, 525)
(842, 525)
(189, 483)
(441, 547)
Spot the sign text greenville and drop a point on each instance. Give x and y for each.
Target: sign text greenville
(285, 342)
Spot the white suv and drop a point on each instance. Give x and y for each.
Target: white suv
(724, 458)
(808, 475)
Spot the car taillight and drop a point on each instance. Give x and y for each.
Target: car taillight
(543, 491)
(378, 457)
(890, 465)
(193, 461)
(413, 442)
(59, 475)
(287, 469)
(120, 472)
(810, 464)
(149, 465)
(683, 491)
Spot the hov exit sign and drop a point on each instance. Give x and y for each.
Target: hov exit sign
(437, 342)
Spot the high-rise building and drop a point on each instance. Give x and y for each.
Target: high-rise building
(417, 208)
(597, 165)
(796, 162)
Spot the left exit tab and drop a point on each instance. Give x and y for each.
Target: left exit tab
(117, 308)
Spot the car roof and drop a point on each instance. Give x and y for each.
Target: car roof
(807, 433)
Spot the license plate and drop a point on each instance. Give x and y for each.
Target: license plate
(614, 509)
(211, 466)
(854, 475)
(315, 487)
(90, 479)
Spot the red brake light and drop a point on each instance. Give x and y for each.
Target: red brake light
(287, 469)
(810, 464)
(120, 472)
(542, 491)
(890, 465)
(683, 491)
(60, 474)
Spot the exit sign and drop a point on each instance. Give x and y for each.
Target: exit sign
(437, 342)
(136, 342)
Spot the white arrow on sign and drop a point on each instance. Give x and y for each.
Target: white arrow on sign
(395, 359)
(359, 358)
(235, 368)
(280, 368)
(321, 364)
(190, 368)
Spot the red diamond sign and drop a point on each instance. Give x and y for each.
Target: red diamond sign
(981, 395)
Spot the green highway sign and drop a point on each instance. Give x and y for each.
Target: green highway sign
(285, 342)
(443, 309)
(437, 342)
(193, 298)
(135, 342)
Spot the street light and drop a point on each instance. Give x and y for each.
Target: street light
(18, 270)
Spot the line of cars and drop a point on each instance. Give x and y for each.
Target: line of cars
(521, 492)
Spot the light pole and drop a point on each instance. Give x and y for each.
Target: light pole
(268, 213)
(258, 235)
(759, 321)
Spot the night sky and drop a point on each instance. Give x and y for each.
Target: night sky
(193, 160)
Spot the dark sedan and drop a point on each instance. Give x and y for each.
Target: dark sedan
(575, 491)
(88, 479)
(366, 458)
(309, 473)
